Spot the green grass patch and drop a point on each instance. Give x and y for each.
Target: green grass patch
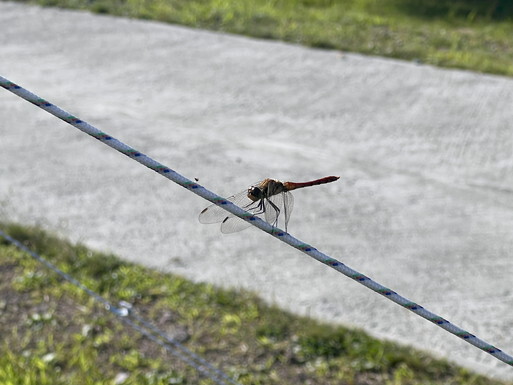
(467, 34)
(54, 333)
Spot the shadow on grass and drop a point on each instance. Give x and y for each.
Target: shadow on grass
(491, 10)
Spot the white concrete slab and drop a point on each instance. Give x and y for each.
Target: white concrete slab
(424, 204)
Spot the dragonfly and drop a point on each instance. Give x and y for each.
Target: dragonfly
(266, 199)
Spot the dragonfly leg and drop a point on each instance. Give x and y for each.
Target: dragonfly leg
(254, 208)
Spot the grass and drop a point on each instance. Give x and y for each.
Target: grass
(53, 333)
(466, 34)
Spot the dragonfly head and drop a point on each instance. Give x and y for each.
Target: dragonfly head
(255, 193)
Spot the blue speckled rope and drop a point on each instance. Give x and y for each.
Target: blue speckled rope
(277, 233)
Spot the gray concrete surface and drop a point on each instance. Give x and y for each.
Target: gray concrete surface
(424, 204)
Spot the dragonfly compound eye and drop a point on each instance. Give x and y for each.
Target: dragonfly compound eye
(254, 193)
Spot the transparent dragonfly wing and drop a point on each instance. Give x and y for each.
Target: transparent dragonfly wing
(278, 209)
(273, 207)
(229, 222)
(216, 214)
(233, 224)
(275, 210)
(288, 205)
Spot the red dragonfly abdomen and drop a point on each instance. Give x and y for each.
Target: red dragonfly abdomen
(294, 185)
